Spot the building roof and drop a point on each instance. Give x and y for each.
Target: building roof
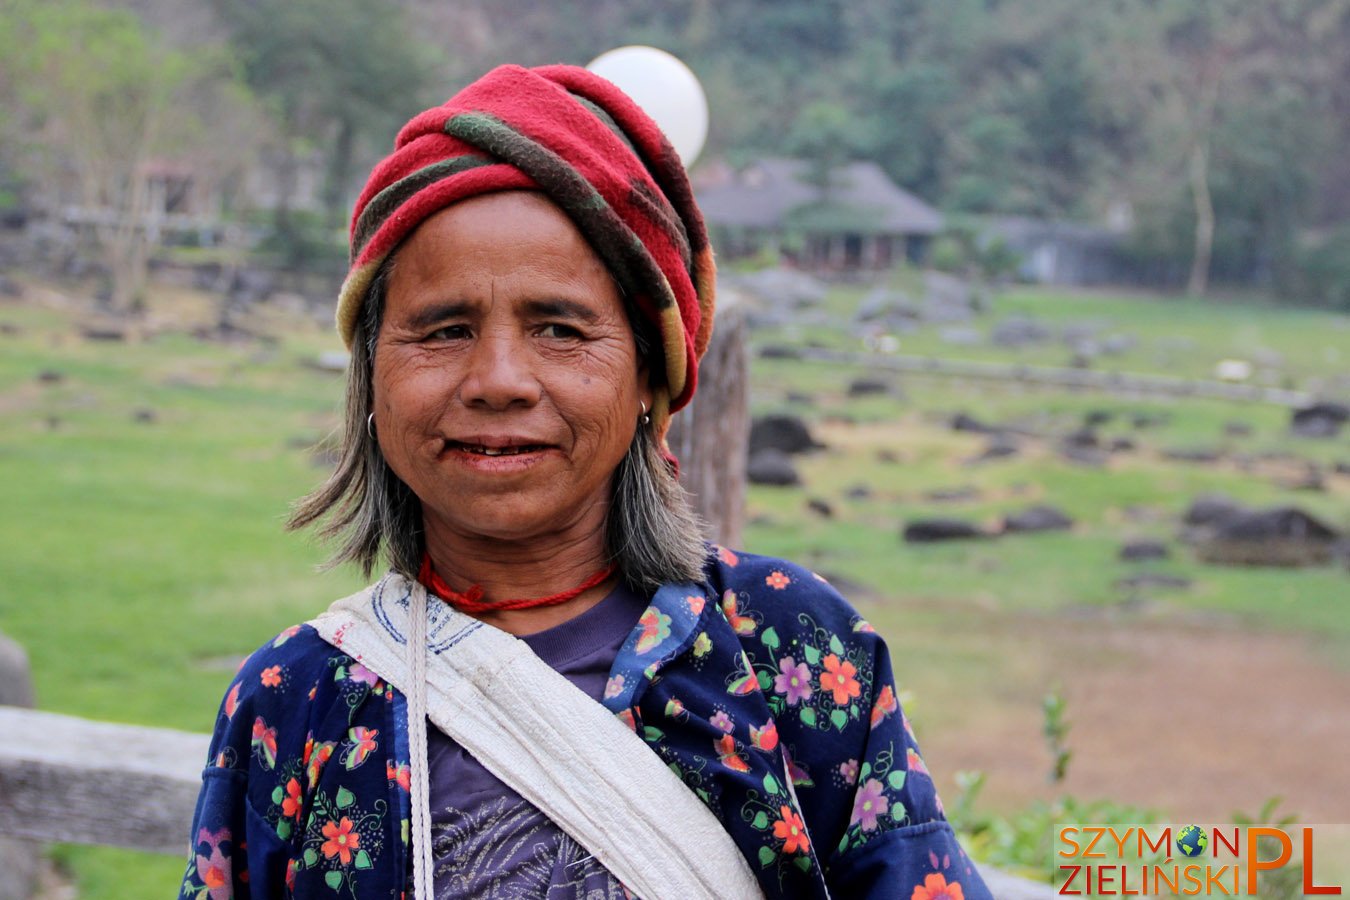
(773, 193)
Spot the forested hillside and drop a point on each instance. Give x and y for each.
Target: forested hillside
(1214, 129)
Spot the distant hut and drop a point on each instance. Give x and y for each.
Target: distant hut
(853, 218)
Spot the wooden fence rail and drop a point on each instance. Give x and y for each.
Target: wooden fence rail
(73, 780)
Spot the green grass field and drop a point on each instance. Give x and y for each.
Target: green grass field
(145, 558)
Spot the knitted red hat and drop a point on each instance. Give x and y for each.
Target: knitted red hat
(581, 141)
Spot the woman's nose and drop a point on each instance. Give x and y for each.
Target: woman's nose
(501, 374)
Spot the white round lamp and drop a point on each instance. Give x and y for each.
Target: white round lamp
(666, 90)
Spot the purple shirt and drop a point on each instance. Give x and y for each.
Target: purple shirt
(487, 840)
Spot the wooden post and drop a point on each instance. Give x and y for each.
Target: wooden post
(711, 436)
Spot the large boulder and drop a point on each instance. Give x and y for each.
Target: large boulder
(785, 433)
(1037, 518)
(928, 531)
(1020, 331)
(1211, 511)
(1320, 420)
(783, 288)
(772, 467)
(1280, 536)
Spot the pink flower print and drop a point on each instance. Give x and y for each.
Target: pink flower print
(361, 674)
(614, 687)
(914, 762)
(868, 803)
(721, 721)
(727, 557)
(215, 870)
(849, 770)
(777, 580)
(793, 680)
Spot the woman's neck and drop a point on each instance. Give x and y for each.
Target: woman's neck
(509, 570)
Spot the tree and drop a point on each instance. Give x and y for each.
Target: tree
(331, 72)
(100, 96)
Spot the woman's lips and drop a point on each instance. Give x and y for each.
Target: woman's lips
(498, 456)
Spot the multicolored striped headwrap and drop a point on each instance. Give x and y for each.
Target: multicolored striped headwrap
(581, 141)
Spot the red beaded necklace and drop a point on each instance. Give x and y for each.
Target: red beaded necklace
(471, 601)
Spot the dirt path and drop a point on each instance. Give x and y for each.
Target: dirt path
(1196, 719)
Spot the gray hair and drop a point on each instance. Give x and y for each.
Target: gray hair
(651, 532)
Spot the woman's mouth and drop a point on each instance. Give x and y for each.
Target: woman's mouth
(497, 451)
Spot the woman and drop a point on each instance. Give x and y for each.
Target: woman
(558, 689)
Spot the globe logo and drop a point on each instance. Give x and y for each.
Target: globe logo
(1192, 841)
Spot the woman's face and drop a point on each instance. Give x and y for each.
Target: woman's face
(507, 384)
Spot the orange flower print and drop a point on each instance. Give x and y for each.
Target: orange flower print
(341, 840)
(695, 604)
(290, 807)
(777, 580)
(727, 557)
(838, 677)
(271, 676)
(935, 887)
(214, 877)
(792, 831)
(885, 705)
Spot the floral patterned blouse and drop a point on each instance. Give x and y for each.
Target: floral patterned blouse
(761, 688)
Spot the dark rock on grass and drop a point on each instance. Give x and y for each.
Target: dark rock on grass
(1037, 518)
(1211, 510)
(1095, 418)
(144, 415)
(1320, 420)
(868, 386)
(1280, 536)
(890, 457)
(780, 351)
(106, 333)
(1144, 551)
(51, 376)
(1237, 429)
(820, 508)
(1122, 445)
(9, 329)
(784, 433)
(797, 398)
(1192, 454)
(929, 531)
(1084, 456)
(859, 492)
(1000, 446)
(1152, 580)
(953, 495)
(1341, 468)
(772, 467)
(965, 422)
(1083, 437)
(1140, 421)
(1020, 331)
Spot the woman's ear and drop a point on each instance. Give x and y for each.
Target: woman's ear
(644, 385)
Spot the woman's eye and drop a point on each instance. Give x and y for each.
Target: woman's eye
(555, 330)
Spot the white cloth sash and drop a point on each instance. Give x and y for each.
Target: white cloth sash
(540, 734)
